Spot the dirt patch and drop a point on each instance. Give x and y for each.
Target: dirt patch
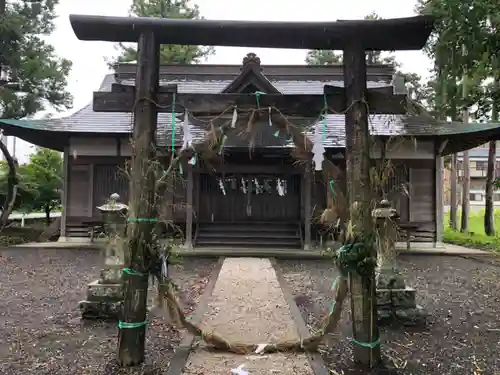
(461, 336)
(40, 324)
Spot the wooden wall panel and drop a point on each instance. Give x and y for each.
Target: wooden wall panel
(109, 179)
(78, 191)
(422, 205)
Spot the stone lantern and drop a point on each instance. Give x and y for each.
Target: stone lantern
(114, 215)
(395, 301)
(105, 295)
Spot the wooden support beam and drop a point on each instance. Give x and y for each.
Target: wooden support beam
(142, 211)
(366, 342)
(189, 208)
(439, 196)
(307, 206)
(122, 99)
(65, 191)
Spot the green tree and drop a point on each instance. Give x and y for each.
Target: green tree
(24, 194)
(169, 54)
(323, 57)
(463, 46)
(40, 76)
(32, 76)
(42, 180)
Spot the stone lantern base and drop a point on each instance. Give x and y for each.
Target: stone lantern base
(104, 296)
(396, 301)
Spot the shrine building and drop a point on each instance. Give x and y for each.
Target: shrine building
(256, 190)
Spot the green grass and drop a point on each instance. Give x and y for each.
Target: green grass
(476, 237)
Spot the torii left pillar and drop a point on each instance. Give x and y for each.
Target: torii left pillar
(366, 337)
(142, 208)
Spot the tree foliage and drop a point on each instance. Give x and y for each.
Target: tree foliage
(169, 54)
(40, 182)
(464, 47)
(39, 74)
(464, 44)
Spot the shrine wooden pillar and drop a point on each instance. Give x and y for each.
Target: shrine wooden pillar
(366, 339)
(189, 208)
(307, 206)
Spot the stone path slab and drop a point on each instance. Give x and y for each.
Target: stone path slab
(248, 306)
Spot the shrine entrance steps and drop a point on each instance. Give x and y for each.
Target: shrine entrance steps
(249, 235)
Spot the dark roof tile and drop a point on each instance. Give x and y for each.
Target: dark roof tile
(87, 121)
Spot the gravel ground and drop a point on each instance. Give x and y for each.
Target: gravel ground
(462, 335)
(40, 327)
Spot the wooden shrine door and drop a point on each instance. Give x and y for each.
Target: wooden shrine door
(249, 197)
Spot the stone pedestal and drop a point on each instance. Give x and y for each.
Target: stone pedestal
(395, 301)
(105, 295)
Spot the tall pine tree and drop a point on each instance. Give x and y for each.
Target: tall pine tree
(32, 76)
(38, 77)
(169, 54)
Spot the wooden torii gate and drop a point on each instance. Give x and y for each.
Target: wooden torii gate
(146, 98)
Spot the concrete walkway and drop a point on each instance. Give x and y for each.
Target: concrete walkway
(248, 306)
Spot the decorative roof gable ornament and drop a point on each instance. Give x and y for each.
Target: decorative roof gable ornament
(251, 78)
(251, 59)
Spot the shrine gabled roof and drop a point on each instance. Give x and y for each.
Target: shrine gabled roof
(86, 122)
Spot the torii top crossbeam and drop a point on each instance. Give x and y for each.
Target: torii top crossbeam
(388, 34)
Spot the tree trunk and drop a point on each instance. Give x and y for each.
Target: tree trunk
(12, 182)
(142, 206)
(489, 213)
(363, 288)
(464, 227)
(453, 192)
(454, 169)
(47, 210)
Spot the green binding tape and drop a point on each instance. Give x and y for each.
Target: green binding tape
(204, 332)
(142, 220)
(257, 97)
(370, 345)
(131, 325)
(130, 271)
(332, 182)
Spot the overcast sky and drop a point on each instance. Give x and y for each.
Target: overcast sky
(88, 58)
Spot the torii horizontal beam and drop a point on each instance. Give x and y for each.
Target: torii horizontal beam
(379, 100)
(408, 33)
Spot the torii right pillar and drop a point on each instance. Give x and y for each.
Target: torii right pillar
(366, 339)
